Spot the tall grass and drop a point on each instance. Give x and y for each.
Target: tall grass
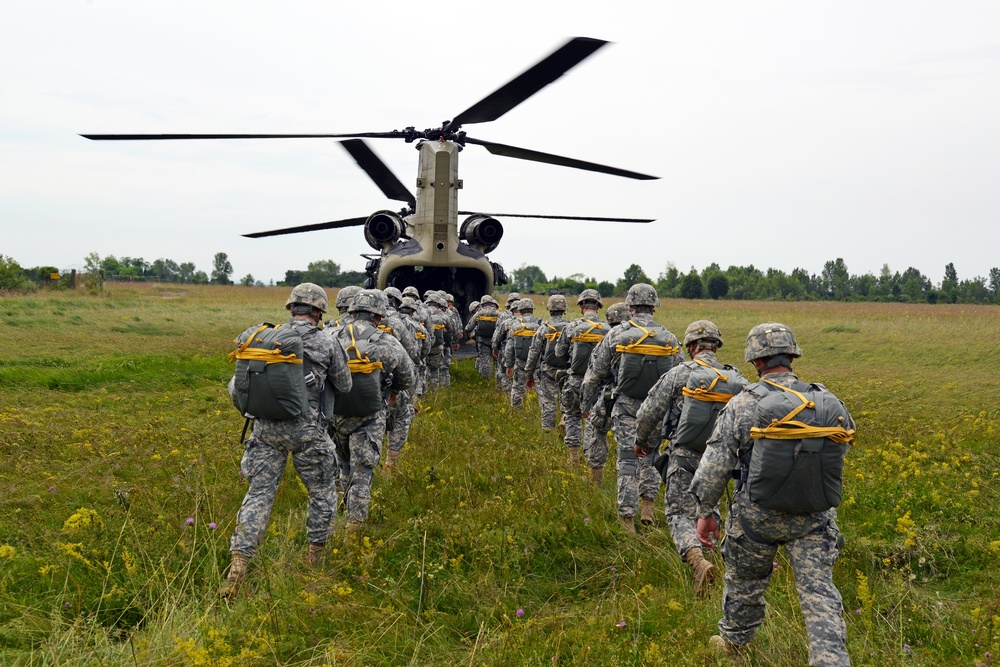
(121, 483)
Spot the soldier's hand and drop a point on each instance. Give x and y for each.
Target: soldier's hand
(456, 346)
(708, 531)
(392, 398)
(496, 354)
(586, 415)
(509, 373)
(641, 450)
(530, 382)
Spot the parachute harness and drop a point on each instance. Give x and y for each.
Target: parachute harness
(788, 428)
(652, 350)
(259, 354)
(707, 395)
(360, 364)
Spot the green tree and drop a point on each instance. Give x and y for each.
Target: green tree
(185, 272)
(691, 287)
(247, 280)
(524, 278)
(718, 286)
(949, 286)
(668, 282)
(11, 274)
(605, 288)
(324, 272)
(92, 263)
(836, 280)
(221, 269)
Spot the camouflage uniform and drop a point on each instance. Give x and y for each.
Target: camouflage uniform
(425, 340)
(526, 322)
(422, 315)
(590, 303)
(266, 452)
(499, 341)
(400, 416)
(359, 439)
(437, 367)
(812, 541)
(484, 343)
(549, 376)
(598, 423)
(637, 478)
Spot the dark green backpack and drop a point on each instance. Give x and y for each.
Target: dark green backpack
(270, 380)
(797, 461)
(706, 392)
(646, 354)
(365, 397)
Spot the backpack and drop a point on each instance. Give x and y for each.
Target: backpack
(797, 462)
(270, 380)
(486, 325)
(522, 332)
(583, 345)
(706, 392)
(642, 363)
(365, 397)
(549, 356)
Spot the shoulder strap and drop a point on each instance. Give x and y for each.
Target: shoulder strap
(787, 428)
(707, 395)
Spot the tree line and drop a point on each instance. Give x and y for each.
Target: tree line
(833, 283)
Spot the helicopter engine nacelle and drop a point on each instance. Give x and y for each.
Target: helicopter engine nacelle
(482, 232)
(383, 227)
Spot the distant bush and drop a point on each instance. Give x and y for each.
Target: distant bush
(12, 275)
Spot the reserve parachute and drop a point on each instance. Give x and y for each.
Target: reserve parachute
(706, 392)
(270, 381)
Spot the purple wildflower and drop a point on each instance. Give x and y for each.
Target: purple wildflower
(189, 521)
(520, 613)
(211, 525)
(621, 624)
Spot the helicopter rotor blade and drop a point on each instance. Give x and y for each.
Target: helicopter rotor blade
(160, 137)
(335, 224)
(377, 170)
(529, 82)
(590, 218)
(548, 158)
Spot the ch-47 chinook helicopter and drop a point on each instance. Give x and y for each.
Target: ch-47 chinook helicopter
(423, 245)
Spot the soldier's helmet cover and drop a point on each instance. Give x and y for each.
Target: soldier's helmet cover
(642, 294)
(618, 312)
(449, 297)
(590, 295)
(309, 294)
(473, 306)
(512, 297)
(702, 330)
(557, 304)
(526, 305)
(346, 295)
(370, 300)
(769, 339)
(408, 303)
(411, 291)
(436, 299)
(488, 299)
(393, 293)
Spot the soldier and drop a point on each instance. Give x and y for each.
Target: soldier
(422, 315)
(690, 396)
(499, 342)
(437, 360)
(482, 325)
(454, 334)
(641, 351)
(551, 367)
(522, 330)
(304, 437)
(394, 325)
(400, 416)
(764, 431)
(380, 368)
(575, 344)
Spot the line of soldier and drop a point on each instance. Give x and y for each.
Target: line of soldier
(385, 350)
(628, 375)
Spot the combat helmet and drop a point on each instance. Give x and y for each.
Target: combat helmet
(642, 294)
(435, 299)
(370, 300)
(618, 313)
(590, 295)
(770, 339)
(449, 297)
(526, 306)
(408, 304)
(557, 304)
(411, 292)
(308, 294)
(487, 299)
(473, 306)
(702, 330)
(393, 294)
(512, 297)
(345, 296)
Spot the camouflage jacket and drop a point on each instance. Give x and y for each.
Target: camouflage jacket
(729, 441)
(564, 344)
(503, 329)
(509, 355)
(536, 354)
(399, 329)
(424, 340)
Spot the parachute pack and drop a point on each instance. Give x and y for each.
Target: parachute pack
(522, 333)
(549, 356)
(486, 325)
(365, 397)
(706, 392)
(583, 345)
(645, 357)
(270, 381)
(797, 461)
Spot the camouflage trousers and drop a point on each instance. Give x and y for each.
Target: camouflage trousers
(484, 360)
(749, 564)
(264, 457)
(419, 379)
(445, 375)
(359, 445)
(572, 414)
(518, 386)
(637, 478)
(595, 444)
(500, 376)
(401, 417)
(680, 505)
(437, 370)
(547, 388)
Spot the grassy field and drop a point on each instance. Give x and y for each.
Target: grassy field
(121, 482)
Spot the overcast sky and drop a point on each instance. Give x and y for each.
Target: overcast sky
(785, 134)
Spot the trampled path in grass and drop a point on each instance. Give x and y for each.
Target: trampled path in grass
(486, 548)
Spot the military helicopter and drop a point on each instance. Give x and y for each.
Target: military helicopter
(422, 244)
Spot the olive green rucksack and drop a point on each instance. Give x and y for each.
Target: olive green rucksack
(706, 392)
(365, 397)
(270, 379)
(797, 461)
(645, 356)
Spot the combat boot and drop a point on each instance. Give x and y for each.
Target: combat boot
(574, 457)
(647, 512)
(703, 570)
(391, 461)
(628, 523)
(597, 476)
(561, 426)
(237, 571)
(315, 553)
(723, 649)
